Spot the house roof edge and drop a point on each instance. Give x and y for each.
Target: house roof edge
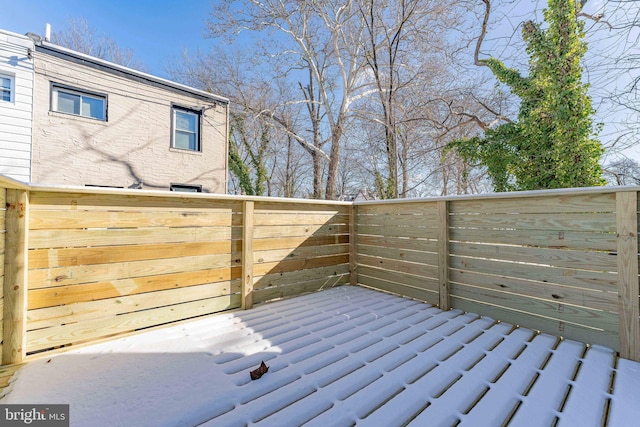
(92, 61)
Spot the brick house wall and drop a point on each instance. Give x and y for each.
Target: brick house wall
(132, 146)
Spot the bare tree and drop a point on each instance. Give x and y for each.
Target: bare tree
(322, 36)
(81, 37)
(623, 172)
(265, 141)
(409, 48)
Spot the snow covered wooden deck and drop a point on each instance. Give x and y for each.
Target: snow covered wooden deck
(344, 356)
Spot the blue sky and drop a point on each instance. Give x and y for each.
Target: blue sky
(156, 30)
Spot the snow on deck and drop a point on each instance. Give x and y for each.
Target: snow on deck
(343, 356)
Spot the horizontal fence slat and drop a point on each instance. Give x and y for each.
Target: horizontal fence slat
(271, 293)
(542, 238)
(68, 257)
(61, 276)
(42, 339)
(545, 325)
(57, 220)
(429, 283)
(300, 230)
(553, 275)
(586, 260)
(301, 264)
(308, 207)
(595, 299)
(69, 294)
(262, 219)
(428, 258)
(582, 222)
(402, 289)
(542, 204)
(299, 253)
(300, 241)
(395, 265)
(419, 221)
(40, 239)
(327, 273)
(400, 243)
(595, 319)
(398, 231)
(55, 200)
(425, 208)
(81, 311)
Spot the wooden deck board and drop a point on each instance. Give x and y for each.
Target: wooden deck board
(343, 356)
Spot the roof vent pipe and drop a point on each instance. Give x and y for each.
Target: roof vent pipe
(47, 32)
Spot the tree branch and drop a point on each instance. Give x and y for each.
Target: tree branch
(595, 18)
(483, 33)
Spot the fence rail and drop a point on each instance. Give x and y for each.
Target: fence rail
(81, 265)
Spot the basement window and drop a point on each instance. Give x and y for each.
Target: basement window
(186, 188)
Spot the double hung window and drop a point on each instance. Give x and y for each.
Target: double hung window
(186, 129)
(6, 88)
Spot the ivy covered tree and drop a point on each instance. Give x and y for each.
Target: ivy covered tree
(239, 140)
(553, 142)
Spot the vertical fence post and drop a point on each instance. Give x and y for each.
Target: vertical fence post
(627, 232)
(353, 248)
(15, 277)
(443, 254)
(247, 254)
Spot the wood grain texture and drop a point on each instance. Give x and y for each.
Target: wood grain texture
(42, 339)
(15, 277)
(68, 257)
(107, 263)
(70, 294)
(627, 220)
(553, 257)
(247, 255)
(353, 246)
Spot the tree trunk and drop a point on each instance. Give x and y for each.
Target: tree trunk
(334, 162)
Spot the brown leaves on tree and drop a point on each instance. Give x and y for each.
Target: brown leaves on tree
(257, 373)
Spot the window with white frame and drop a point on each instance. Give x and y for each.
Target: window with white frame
(6, 88)
(186, 129)
(79, 103)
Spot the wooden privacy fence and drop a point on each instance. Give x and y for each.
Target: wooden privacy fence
(563, 262)
(85, 264)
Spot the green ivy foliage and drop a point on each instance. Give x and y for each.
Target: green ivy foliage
(238, 136)
(553, 143)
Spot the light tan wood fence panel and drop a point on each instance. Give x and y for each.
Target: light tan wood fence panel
(397, 248)
(104, 264)
(299, 248)
(547, 262)
(3, 233)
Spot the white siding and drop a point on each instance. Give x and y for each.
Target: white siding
(16, 117)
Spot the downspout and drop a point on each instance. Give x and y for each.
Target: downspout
(226, 151)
